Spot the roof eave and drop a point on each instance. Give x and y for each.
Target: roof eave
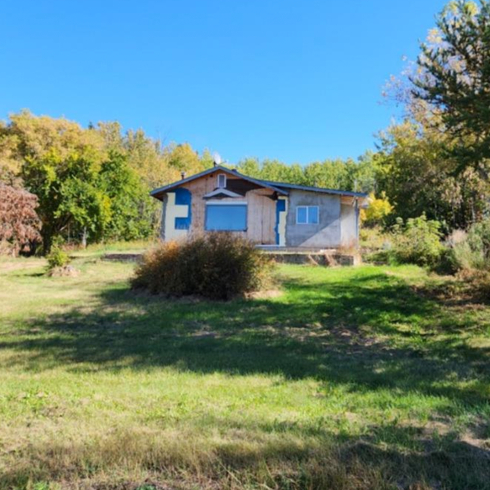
(162, 190)
(319, 189)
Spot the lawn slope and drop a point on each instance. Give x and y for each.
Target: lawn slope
(353, 378)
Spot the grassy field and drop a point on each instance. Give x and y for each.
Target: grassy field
(353, 378)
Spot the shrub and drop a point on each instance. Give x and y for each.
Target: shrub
(57, 257)
(216, 266)
(471, 250)
(374, 239)
(474, 283)
(418, 241)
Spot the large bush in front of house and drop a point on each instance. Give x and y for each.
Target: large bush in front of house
(417, 241)
(216, 266)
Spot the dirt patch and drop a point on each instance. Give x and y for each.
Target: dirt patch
(470, 289)
(271, 293)
(66, 271)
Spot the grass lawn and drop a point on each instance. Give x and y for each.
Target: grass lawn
(353, 378)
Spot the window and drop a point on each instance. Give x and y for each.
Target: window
(307, 215)
(226, 217)
(221, 181)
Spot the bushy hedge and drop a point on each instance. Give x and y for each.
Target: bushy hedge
(418, 241)
(468, 256)
(471, 250)
(216, 266)
(415, 241)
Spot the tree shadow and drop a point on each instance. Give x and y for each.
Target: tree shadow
(371, 333)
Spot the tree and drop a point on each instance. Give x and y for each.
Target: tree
(60, 163)
(437, 160)
(131, 207)
(454, 79)
(378, 211)
(91, 183)
(149, 159)
(333, 174)
(184, 159)
(417, 173)
(19, 223)
(85, 185)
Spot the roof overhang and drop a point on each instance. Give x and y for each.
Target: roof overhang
(322, 190)
(161, 191)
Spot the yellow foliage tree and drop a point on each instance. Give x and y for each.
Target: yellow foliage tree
(379, 208)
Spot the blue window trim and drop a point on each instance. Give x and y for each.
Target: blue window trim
(226, 203)
(280, 207)
(308, 215)
(183, 197)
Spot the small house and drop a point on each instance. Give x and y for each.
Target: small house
(268, 213)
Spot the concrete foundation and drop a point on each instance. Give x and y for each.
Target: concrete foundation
(328, 259)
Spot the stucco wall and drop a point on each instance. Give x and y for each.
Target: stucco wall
(171, 212)
(348, 233)
(326, 234)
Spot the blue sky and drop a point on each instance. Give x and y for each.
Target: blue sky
(288, 79)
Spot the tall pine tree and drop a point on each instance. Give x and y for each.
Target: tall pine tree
(454, 78)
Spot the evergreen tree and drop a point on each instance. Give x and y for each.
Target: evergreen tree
(454, 78)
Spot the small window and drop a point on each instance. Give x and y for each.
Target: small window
(307, 215)
(221, 181)
(226, 217)
(302, 215)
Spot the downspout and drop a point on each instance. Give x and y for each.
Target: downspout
(357, 221)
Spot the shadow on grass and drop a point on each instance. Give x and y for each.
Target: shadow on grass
(371, 332)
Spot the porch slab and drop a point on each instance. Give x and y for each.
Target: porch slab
(328, 258)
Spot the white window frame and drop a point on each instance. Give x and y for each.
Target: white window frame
(307, 215)
(224, 177)
(227, 203)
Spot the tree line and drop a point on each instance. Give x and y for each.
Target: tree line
(92, 184)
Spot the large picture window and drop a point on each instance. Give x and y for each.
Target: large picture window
(307, 215)
(226, 217)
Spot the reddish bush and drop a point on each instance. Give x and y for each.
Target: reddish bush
(19, 222)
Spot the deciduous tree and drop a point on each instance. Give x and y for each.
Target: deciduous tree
(19, 223)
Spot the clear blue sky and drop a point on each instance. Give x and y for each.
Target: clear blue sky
(297, 80)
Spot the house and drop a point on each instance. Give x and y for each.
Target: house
(268, 213)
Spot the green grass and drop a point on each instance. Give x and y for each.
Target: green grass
(353, 378)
